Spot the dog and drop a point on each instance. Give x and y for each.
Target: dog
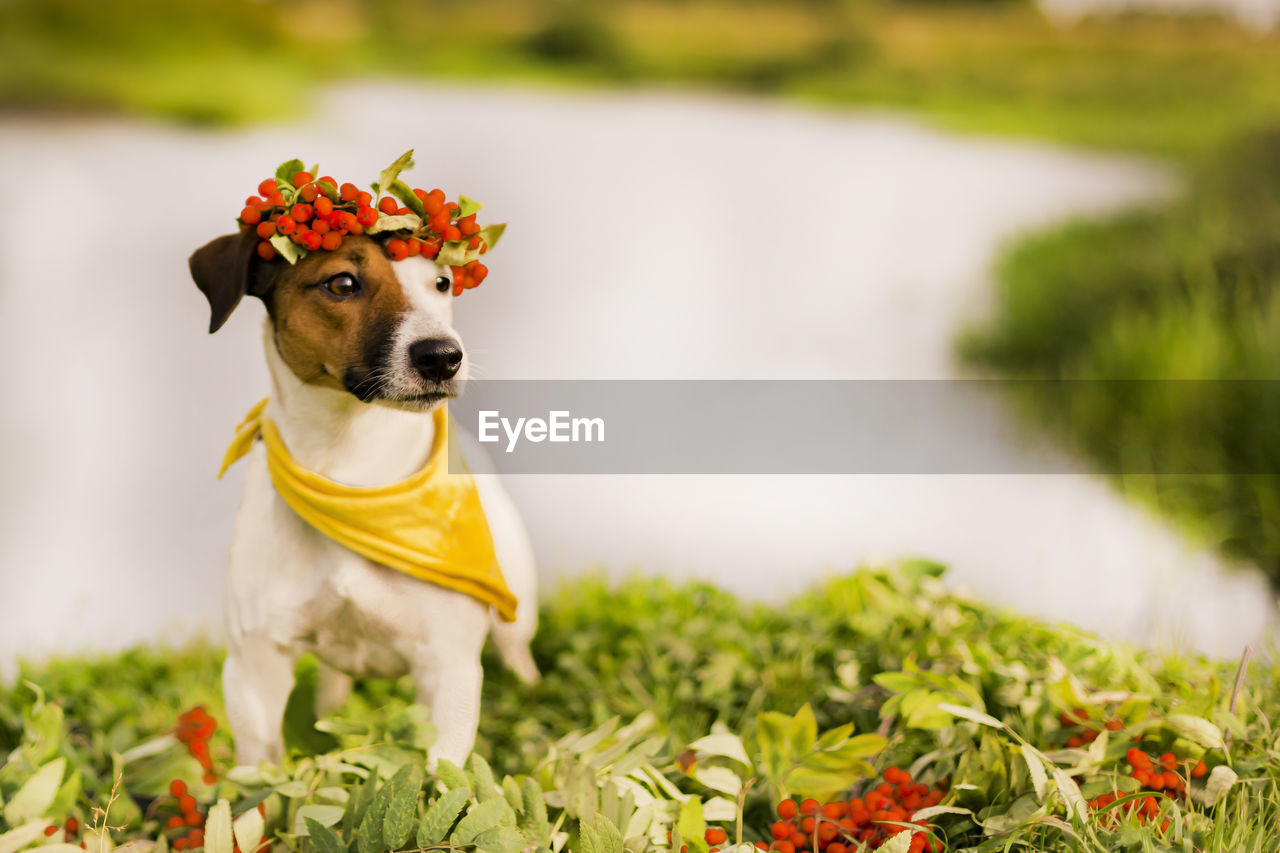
(361, 350)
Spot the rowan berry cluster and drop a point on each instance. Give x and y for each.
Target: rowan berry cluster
(69, 829)
(1146, 809)
(1162, 775)
(195, 727)
(873, 818)
(297, 212)
(189, 818)
(1088, 731)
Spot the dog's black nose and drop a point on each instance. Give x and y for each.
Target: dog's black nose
(437, 359)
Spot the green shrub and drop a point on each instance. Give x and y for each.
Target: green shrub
(1185, 292)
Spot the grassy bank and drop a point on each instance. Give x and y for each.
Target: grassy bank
(1027, 730)
(1169, 87)
(1184, 292)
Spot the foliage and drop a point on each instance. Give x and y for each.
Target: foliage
(666, 710)
(1165, 86)
(1183, 293)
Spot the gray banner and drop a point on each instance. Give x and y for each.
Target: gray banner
(825, 427)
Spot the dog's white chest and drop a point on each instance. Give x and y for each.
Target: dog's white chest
(311, 593)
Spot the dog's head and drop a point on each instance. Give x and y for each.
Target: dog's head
(350, 319)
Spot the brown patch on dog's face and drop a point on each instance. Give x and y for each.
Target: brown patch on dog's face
(335, 315)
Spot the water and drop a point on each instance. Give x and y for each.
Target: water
(653, 235)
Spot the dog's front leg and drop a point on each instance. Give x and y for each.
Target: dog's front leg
(448, 682)
(256, 681)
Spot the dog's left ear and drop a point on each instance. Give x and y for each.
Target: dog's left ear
(223, 269)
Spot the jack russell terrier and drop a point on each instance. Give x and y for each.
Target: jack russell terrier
(361, 353)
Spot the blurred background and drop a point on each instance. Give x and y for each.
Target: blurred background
(696, 189)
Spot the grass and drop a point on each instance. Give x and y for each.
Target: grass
(1183, 292)
(1163, 86)
(967, 706)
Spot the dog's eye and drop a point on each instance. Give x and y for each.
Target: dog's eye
(443, 283)
(342, 284)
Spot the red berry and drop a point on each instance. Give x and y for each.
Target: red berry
(331, 241)
(432, 205)
(364, 199)
(1199, 770)
(286, 225)
(187, 803)
(348, 192)
(716, 835)
(72, 826)
(457, 287)
(323, 207)
(50, 829)
(388, 205)
(1115, 724)
(302, 178)
(251, 216)
(194, 818)
(451, 233)
(267, 188)
(308, 193)
(787, 809)
(421, 194)
(301, 212)
(366, 216)
(266, 251)
(397, 249)
(209, 778)
(177, 788)
(266, 230)
(320, 226)
(415, 246)
(175, 822)
(312, 241)
(799, 839)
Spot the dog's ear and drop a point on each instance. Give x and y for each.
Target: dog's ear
(223, 269)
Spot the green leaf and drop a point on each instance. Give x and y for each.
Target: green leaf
(389, 174)
(440, 816)
(247, 829)
(321, 813)
(324, 838)
(491, 234)
(503, 839)
(692, 825)
(1195, 729)
(1039, 779)
(452, 776)
(358, 806)
(36, 795)
(452, 254)
(897, 843)
(482, 818)
(288, 249)
(401, 805)
(1219, 782)
(403, 222)
(250, 802)
(286, 170)
(485, 787)
(369, 836)
(467, 206)
(971, 715)
(218, 837)
(804, 731)
(407, 197)
(535, 810)
(1071, 796)
(723, 744)
(20, 836)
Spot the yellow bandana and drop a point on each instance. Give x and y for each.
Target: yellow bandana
(430, 526)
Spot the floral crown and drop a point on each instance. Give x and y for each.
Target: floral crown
(295, 213)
